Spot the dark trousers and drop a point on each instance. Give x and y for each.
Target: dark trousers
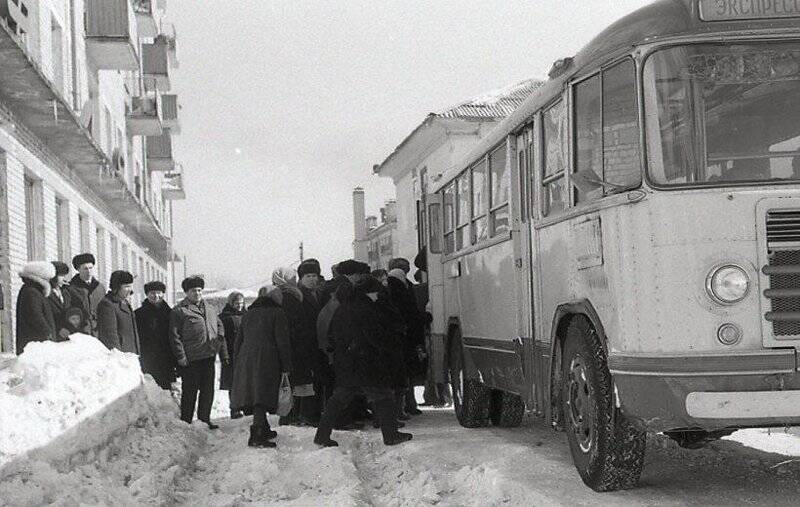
(198, 376)
(382, 398)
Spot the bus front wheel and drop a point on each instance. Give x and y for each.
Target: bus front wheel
(471, 398)
(607, 450)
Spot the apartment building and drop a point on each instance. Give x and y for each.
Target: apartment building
(86, 122)
(373, 243)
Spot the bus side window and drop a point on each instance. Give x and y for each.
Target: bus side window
(500, 184)
(554, 195)
(463, 211)
(480, 229)
(449, 218)
(588, 136)
(434, 228)
(621, 162)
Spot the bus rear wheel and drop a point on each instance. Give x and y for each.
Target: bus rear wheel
(506, 409)
(607, 450)
(470, 397)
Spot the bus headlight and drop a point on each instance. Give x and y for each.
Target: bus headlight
(727, 284)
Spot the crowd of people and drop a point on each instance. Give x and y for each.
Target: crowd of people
(352, 348)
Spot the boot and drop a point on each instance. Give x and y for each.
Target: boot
(236, 414)
(258, 438)
(269, 433)
(397, 438)
(326, 442)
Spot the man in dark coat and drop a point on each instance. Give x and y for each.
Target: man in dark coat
(231, 318)
(116, 322)
(196, 336)
(263, 356)
(362, 359)
(35, 321)
(86, 290)
(152, 321)
(60, 300)
(308, 274)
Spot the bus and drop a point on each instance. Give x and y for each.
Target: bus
(621, 255)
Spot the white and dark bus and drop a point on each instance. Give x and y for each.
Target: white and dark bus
(622, 253)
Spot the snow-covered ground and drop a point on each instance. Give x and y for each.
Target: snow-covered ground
(79, 425)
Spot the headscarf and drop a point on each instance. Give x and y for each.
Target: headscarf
(286, 280)
(399, 274)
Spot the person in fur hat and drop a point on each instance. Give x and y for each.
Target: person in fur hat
(35, 321)
(152, 322)
(86, 290)
(116, 322)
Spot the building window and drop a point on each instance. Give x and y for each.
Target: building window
(34, 219)
(126, 258)
(114, 253)
(101, 253)
(83, 230)
(64, 252)
(554, 198)
(500, 191)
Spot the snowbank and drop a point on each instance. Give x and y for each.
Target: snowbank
(80, 424)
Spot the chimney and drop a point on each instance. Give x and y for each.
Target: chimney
(359, 225)
(372, 222)
(390, 211)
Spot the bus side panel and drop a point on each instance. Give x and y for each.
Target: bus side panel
(555, 270)
(489, 316)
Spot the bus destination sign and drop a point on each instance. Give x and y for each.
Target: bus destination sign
(738, 10)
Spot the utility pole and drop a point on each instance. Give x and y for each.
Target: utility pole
(301, 252)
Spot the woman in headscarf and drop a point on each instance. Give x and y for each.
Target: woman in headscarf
(262, 356)
(231, 318)
(304, 348)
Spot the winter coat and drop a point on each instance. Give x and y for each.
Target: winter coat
(87, 296)
(116, 324)
(262, 352)
(396, 329)
(195, 332)
(35, 321)
(59, 307)
(156, 355)
(302, 335)
(363, 352)
(402, 296)
(231, 320)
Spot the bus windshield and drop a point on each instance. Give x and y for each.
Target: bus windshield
(722, 113)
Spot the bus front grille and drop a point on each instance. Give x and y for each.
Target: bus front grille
(784, 291)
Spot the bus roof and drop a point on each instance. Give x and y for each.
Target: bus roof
(662, 19)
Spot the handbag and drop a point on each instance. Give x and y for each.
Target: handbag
(284, 396)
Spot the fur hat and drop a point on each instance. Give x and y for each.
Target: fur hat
(61, 268)
(81, 259)
(400, 262)
(120, 278)
(399, 274)
(193, 282)
(311, 266)
(40, 272)
(156, 286)
(352, 267)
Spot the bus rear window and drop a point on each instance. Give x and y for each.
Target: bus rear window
(723, 113)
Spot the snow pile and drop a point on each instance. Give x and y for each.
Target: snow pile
(768, 440)
(80, 425)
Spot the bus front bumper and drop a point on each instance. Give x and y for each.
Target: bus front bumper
(709, 392)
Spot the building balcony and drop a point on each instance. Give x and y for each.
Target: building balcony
(172, 188)
(111, 42)
(159, 152)
(155, 65)
(169, 113)
(146, 18)
(45, 124)
(171, 37)
(144, 116)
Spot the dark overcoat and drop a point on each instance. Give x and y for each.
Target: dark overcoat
(87, 297)
(303, 337)
(116, 324)
(363, 352)
(262, 351)
(156, 356)
(35, 321)
(231, 319)
(403, 298)
(396, 329)
(59, 307)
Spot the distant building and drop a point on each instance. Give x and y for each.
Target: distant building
(86, 125)
(373, 240)
(429, 150)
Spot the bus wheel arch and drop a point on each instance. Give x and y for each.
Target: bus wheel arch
(558, 332)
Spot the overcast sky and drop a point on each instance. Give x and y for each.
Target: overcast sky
(286, 106)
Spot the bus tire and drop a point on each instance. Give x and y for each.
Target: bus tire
(471, 398)
(506, 409)
(607, 449)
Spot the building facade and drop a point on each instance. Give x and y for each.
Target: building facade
(373, 242)
(86, 125)
(435, 146)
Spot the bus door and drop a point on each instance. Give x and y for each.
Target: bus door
(433, 245)
(519, 150)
